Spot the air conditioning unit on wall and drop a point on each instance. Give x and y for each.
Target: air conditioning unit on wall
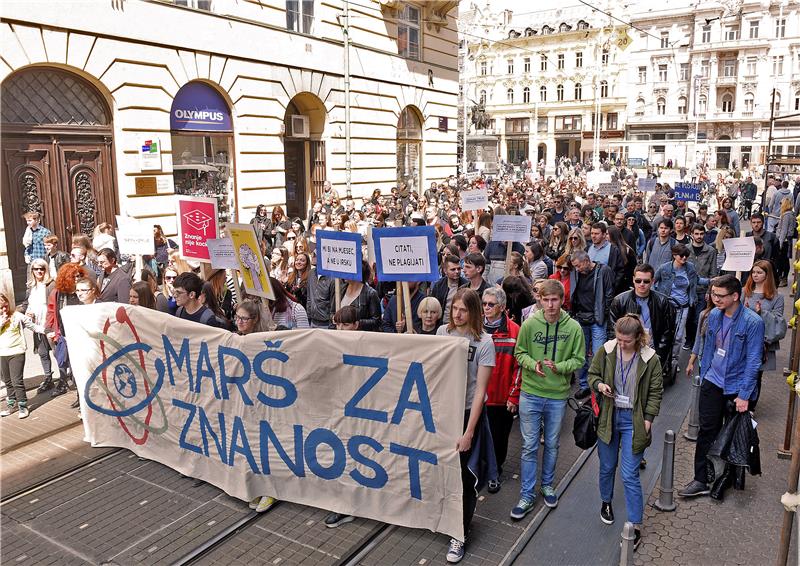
(299, 126)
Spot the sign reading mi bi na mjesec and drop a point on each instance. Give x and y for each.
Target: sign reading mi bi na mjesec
(687, 192)
(339, 254)
(406, 254)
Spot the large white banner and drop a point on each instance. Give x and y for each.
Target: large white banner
(353, 422)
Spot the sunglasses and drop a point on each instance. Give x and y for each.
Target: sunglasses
(684, 256)
(38, 269)
(564, 268)
(488, 304)
(642, 281)
(574, 238)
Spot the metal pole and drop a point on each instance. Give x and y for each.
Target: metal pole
(788, 516)
(696, 118)
(694, 413)
(347, 157)
(666, 500)
(771, 131)
(628, 537)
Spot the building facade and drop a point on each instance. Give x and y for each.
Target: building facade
(702, 79)
(115, 107)
(543, 80)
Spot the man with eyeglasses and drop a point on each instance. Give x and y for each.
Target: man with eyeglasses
(731, 356)
(704, 258)
(114, 283)
(188, 287)
(502, 393)
(678, 280)
(654, 309)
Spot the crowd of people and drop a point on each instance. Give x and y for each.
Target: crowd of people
(600, 302)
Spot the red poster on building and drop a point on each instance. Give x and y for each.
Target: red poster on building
(197, 223)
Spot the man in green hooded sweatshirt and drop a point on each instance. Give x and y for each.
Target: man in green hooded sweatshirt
(550, 347)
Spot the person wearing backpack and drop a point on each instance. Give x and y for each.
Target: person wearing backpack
(188, 288)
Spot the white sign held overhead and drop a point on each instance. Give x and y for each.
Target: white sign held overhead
(646, 185)
(739, 254)
(474, 200)
(512, 228)
(136, 238)
(594, 178)
(222, 253)
(608, 188)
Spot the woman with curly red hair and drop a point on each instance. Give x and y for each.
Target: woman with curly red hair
(63, 295)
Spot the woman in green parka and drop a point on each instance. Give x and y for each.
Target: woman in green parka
(626, 373)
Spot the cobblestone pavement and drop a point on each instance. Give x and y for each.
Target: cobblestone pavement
(745, 527)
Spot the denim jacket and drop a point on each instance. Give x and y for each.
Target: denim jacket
(743, 355)
(665, 276)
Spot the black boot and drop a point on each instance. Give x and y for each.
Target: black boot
(46, 384)
(60, 389)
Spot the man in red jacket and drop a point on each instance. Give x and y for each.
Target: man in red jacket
(503, 389)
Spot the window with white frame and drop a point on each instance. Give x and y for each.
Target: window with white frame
(578, 91)
(510, 66)
(777, 102)
(542, 62)
(196, 4)
(749, 102)
(683, 106)
(510, 96)
(603, 89)
(483, 68)
(662, 73)
(705, 36)
(612, 121)
(526, 95)
(560, 60)
(408, 34)
(797, 100)
(579, 59)
(642, 75)
(661, 106)
(664, 40)
(604, 57)
(754, 26)
(702, 104)
(780, 28)
(299, 15)
(731, 33)
(639, 111)
(542, 93)
(526, 64)
(729, 68)
(752, 65)
(777, 65)
(727, 102)
(705, 68)
(560, 92)
(684, 70)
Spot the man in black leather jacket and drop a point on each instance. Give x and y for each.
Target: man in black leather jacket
(658, 316)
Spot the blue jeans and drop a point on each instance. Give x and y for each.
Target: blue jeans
(594, 336)
(532, 411)
(622, 437)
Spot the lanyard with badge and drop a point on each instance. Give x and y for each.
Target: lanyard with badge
(619, 398)
(724, 335)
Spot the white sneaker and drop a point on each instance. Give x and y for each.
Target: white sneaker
(254, 502)
(9, 410)
(23, 413)
(265, 503)
(456, 551)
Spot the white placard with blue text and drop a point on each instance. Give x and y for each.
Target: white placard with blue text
(474, 200)
(406, 254)
(339, 254)
(511, 228)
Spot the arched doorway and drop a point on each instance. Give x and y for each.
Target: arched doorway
(409, 148)
(541, 153)
(723, 154)
(304, 152)
(57, 158)
(202, 146)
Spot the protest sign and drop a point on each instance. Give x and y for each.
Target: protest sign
(474, 200)
(687, 192)
(352, 422)
(339, 254)
(512, 228)
(222, 254)
(646, 185)
(406, 254)
(251, 263)
(197, 222)
(608, 188)
(594, 178)
(136, 238)
(739, 254)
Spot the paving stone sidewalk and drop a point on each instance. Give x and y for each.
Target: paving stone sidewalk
(745, 527)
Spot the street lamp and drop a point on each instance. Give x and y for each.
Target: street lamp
(697, 79)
